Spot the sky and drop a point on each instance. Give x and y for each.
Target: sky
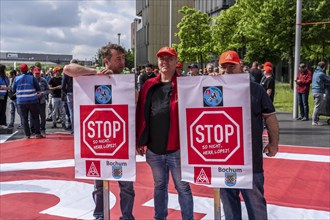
(71, 27)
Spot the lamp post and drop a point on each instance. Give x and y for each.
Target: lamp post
(170, 24)
(119, 38)
(297, 55)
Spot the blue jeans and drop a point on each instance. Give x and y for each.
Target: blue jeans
(254, 200)
(13, 108)
(127, 195)
(303, 104)
(160, 166)
(69, 97)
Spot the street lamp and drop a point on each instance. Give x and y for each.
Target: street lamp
(119, 38)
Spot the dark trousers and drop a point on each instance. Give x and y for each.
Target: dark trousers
(42, 115)
(127, 195)
(3, 108)
(32, 108)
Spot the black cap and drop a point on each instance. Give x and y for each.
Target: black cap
(193, 65)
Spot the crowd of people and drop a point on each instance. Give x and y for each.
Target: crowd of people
(157, 104)
(36, 97)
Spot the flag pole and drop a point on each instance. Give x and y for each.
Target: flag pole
(217, 204)
(106, 204)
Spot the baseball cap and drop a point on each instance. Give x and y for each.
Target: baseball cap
(57, 68)
(193, 65)
(268, 64)
(229, 56)
(23, 67)
(36, 70)
(268, 69)
(179, 65)
(73, 61)
(167, 51)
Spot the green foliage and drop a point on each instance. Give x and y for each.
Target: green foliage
(267, 29)
(195, 36)
(129, 58)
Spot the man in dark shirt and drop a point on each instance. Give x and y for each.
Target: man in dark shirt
(55, 85)
(268, 82)
(67, 90)
(147, 75)
(261, 109)
(256, 72)
(158, 129)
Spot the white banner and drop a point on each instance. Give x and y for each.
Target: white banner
(104, 127)
(215, 130)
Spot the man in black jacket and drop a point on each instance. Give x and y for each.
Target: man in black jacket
(147, 75)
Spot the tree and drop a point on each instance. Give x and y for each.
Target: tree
(195, 36)
(267, 30)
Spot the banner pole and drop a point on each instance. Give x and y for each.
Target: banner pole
(106, 205)
(217, 204)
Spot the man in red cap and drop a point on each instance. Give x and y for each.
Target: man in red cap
(268, 82)
(42, 95)
(27, 90)
(261, 109)
(55, 85)
(158, 129)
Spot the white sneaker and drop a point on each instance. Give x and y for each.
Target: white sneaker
(317, 123)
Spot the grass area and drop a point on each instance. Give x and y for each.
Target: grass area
(283, 100)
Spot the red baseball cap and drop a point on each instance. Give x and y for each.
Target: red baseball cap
(179, 65)
(268, 69)
(36, 70)
(229, 56)
(268, 64)
(23, 68)
(57, 68)
(167, 51)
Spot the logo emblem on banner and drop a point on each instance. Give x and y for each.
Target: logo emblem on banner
(93, 168)
(202, 175)
(212, 96)
(230, 179)
(103, 94)
(117, 172)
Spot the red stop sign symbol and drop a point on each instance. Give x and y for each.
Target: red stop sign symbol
(215, 135)
(104, 131)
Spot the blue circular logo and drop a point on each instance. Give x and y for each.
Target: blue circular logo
(213, 96)
(103, 94)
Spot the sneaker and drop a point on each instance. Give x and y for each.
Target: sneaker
(19, 126)
(10, 126)
(299, 118)
(49, 119)
(38, 136)
(316, 123)
(304, 119)
(43, 132)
